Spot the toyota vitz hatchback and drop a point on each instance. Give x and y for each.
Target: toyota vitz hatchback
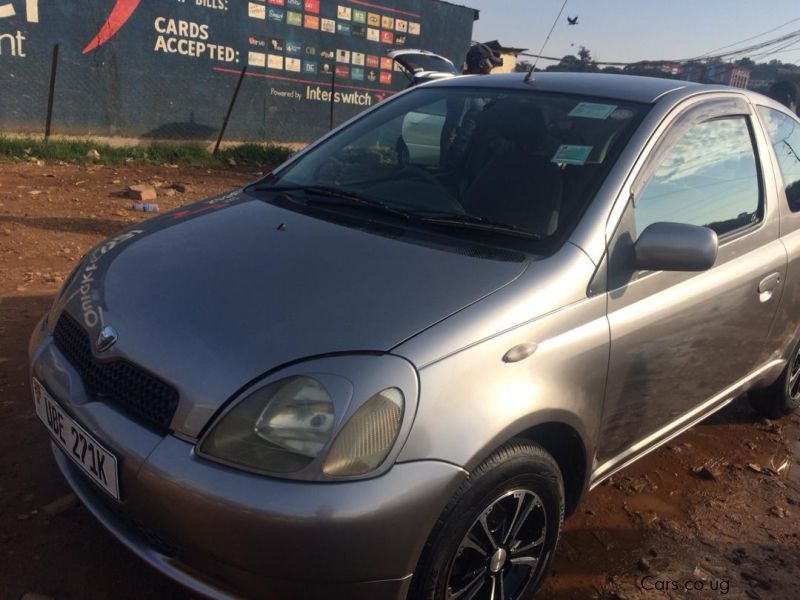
(391, 367)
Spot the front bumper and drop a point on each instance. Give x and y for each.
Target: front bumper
(225, 533)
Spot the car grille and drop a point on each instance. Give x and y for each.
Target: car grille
(118, 381)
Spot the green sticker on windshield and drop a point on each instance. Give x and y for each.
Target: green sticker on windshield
(572, 155)
(592, 110)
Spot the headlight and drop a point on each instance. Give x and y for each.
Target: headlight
(364, 442)
(281, 428)
(325, 419)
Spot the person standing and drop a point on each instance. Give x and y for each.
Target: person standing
(786, 92)
(481, 60)
(462, 115)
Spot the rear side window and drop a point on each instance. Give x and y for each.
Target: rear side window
(709, 177)
(784, 133)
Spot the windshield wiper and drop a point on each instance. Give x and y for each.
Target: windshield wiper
(465, 221)
(444, 219)
(352, 198)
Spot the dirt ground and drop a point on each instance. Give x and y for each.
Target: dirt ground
(716, 510)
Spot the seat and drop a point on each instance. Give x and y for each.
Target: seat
(513, 181)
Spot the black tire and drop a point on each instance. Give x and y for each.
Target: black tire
(520, 478)
(783, 396)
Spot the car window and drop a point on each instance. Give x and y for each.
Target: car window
(784, 134)
(422, 134)
(709, 177)
(530, 161)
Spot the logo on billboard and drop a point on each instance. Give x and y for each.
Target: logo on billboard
(294, 48)
(31, 8)
(16, 41)
(119, 15)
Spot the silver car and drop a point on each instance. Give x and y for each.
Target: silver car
(394, 365)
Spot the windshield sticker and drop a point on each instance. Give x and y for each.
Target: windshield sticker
(621, 114)
(591, 110)
(572, 155)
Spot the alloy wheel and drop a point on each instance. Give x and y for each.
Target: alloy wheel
(794, 377)
(502, 551)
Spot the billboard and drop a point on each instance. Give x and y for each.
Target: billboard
(167, 69)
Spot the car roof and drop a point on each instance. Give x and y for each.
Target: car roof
(632, 88)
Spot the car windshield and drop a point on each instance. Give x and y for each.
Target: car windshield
(485, 163)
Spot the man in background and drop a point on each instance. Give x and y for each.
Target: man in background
(481, 60)
(460, 122)
(785, 92)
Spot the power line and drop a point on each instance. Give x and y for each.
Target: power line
(787, 47)
(768, 46)
(750, 38)
(746, 49)
(776, 45)
(760, 46)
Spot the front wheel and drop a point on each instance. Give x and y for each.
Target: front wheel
(783, 396)
(497, 536)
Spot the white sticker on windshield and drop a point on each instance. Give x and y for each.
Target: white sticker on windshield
(592, 110)
(572, 155)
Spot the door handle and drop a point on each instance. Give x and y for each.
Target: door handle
(767, 286)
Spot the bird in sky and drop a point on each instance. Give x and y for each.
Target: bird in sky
(573, 20)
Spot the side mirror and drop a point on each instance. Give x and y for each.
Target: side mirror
(676, 247)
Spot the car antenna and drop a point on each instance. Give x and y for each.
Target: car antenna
(529, 76)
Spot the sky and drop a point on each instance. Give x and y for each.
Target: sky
(632, 30)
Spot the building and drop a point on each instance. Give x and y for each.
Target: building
(667, 67)
(693, 71)
(724, 73)
(716, 71)
(508, 54)
(740, 77)
(654, 68)
(728, 74)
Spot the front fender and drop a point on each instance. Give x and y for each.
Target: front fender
(472, 402)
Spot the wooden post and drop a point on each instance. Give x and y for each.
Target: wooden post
(230, 109)
(53, 69)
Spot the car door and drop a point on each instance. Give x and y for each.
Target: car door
(679, 340)
(783, 131)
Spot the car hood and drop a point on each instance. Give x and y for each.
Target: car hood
(210, 297)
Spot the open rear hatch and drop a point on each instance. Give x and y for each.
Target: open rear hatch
(422, 65)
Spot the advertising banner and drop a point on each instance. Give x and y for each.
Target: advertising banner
(166, 69)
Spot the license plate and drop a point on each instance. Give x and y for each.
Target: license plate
(85, 451)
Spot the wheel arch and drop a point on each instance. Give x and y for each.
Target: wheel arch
(565, 445)
(563, 436)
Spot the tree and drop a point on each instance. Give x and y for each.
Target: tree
(582, 63)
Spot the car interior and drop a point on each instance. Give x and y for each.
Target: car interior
(486, 155)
